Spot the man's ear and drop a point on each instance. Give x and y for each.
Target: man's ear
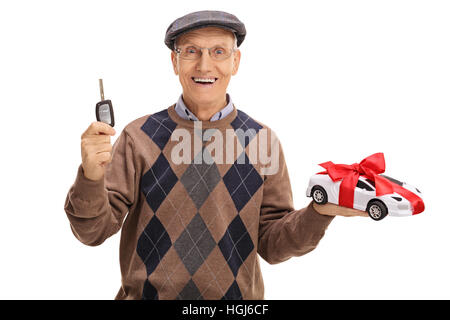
(173, 56)
(236, 61)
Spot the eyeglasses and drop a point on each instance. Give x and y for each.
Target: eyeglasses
(192, 52)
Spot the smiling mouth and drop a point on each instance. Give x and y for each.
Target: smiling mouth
(204, 81)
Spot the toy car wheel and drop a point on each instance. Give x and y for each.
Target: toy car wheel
(319, 195)
(377, 210)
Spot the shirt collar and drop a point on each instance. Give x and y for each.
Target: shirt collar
(187, 114)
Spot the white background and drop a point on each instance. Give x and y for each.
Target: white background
(336, 80)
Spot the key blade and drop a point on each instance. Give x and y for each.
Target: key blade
(102, 95)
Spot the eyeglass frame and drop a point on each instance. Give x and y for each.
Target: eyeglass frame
(177, 50)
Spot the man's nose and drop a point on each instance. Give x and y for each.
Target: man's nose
(205, 62)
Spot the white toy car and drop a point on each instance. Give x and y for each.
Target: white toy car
(322, 189)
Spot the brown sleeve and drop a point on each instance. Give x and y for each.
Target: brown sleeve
(283, 231)
(96, 209)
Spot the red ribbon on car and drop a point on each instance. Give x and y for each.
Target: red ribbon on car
(370, 167)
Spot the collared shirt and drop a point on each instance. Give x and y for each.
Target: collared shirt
(187, 114)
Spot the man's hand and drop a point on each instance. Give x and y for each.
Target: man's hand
(96, 149)
(331, 209)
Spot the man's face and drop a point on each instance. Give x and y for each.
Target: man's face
(206, 67)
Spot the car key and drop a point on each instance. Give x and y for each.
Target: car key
(103, 109)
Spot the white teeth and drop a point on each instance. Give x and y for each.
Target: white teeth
(205, 80)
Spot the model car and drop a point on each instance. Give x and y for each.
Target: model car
(322, 189)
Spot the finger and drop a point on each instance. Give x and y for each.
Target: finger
(104, 157)
(94, 140)
(349, 212)
(97, 128)
(344, 211)
(96, 149)
(105, 147)
(332, 209)
(354, 214)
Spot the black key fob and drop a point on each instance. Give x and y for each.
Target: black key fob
(104, 109)
(104, 112)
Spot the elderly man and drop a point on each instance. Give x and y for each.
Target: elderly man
(197, 216)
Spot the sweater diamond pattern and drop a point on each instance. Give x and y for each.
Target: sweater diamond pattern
(242, 181)
(149, 292)
(153, 244)
(157, 182)
(233, 293)
(190, 292)
(200, 178)
(159, 127)
(194, 244)
(245, 126)
(236, 245)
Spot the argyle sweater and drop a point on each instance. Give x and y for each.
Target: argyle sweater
(192, 229)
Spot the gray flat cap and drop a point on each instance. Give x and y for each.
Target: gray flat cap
(203, 19)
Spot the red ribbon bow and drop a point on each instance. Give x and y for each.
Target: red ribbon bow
(370, 167)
